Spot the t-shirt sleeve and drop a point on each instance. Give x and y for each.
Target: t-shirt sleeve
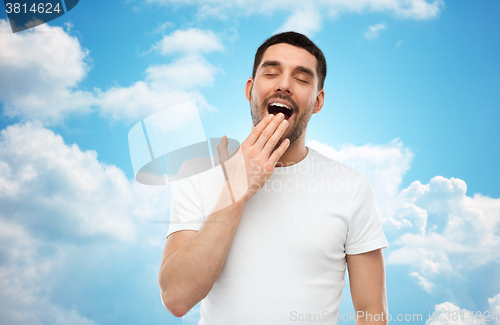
(186, 209)
(364, 230)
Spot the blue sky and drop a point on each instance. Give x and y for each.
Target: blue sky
(412, 87)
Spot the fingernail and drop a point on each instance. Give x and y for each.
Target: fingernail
(271, 116)
(281, 115)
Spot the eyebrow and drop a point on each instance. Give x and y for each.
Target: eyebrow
(299, 68)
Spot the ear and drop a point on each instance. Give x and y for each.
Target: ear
(320, 99)
(248, 88)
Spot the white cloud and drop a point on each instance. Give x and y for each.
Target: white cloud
(293, 10)
(418, 9)
(306, 22)
(415, 9)
(166, 85)
(435, 229)
(25, 276)
(462, 231)
(186, 73)
(170, 84)
(57, 191)
(60, 204)
(162, 27)
(65, 193)
(39, 70)
(449, 313)
(398, 44)
(409, 216)
(494, 304)
(446, 313)
(189, 41)
(374, 30)
(423, 281)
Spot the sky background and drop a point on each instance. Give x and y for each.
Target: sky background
(412, 100)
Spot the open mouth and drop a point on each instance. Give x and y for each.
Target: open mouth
(275, 108)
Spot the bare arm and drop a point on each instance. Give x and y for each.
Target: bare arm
(193, 260)
(367, 280)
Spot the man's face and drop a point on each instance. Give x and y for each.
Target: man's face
(286, 81)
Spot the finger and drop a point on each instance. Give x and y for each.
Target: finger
(275, 138)
(257, 130)
(279, 152)
(269, 131)
(222, 150)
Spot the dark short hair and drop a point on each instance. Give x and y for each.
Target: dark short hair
(298, 40)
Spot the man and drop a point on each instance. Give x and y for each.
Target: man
(278, 254)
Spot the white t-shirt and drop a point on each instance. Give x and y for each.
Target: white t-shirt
(288, 258)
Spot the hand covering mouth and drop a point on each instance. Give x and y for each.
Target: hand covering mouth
(275, 107)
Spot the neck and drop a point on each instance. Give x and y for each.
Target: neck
(295, 153)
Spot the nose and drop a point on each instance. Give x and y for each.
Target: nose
(284, 84)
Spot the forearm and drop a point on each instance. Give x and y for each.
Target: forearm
(188, 274)
(367, 282)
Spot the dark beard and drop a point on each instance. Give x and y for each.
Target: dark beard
(292, 134)
(257, 119)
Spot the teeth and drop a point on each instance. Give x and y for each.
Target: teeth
(280, 105)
